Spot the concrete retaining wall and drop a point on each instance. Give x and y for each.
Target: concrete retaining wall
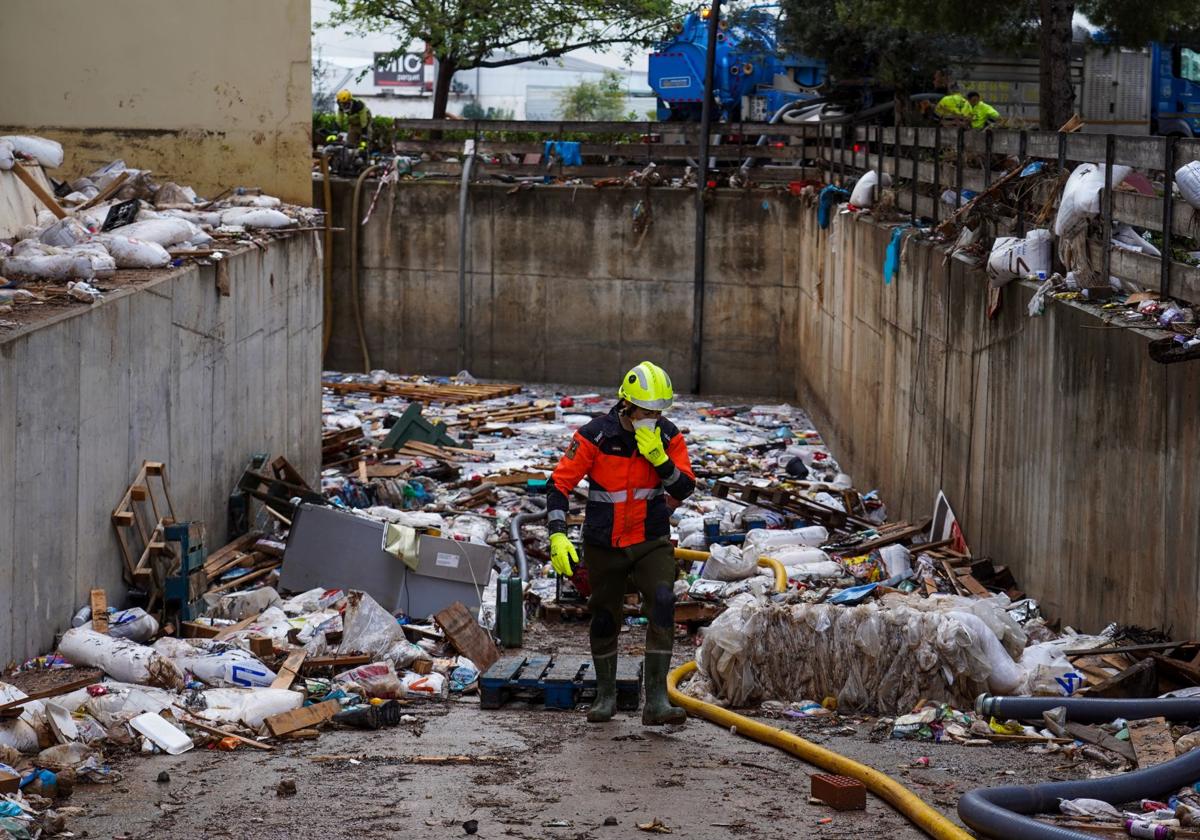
(171, 372)
(561, 289)
(1066, 452)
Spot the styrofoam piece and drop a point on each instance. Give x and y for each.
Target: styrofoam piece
(166, 737)
(61, 723)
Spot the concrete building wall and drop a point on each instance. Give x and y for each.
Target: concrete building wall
(561, 289)
(170, 372)
(1066, 453)
(212, 95)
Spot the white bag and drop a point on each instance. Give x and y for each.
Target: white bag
(121, 659)
(135, 624)
(1013, 258)
(47, 152)
(247, 706)
(725, 562)
(864, 190)
(166, 232)
(1081, 195)
(7, 161)
(428, 686)
(64, 233)
(1124, 236)
(219, 664)
(268, 201)
(256, 217)
(1186, 176)
(135, 253)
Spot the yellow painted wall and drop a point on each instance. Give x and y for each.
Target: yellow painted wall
(211, 94)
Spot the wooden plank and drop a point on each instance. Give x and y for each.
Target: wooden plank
(106, 193)
(338, 662)
(464, 632)
(65, 688)
(38, 190)
(99, 604)
(290, 669)
(226, 632)
(1098, 651)
(221, 733)
(306, 717)
(1152, 742)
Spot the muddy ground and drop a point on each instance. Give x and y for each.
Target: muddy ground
(531, 773)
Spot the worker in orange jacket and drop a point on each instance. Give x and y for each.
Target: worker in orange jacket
(636, 463)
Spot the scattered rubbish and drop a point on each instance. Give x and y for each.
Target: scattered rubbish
(655, 826)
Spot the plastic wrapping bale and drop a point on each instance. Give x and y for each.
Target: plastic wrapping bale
(48, 153)
(1081, 195)
(1186, 176)
(761, 542)
(268, 201)
(1046, 666)
(992, 611)
(378, 679)
(369, 628)
(236, 606)
(219, 664)
(725, 562)
(121, 659)
(21, 733)
(128, 252)
(7, 160)
(722, 657)
(163, 231)
(35, 260)
(864, 190)
(256, 217)
(1014, 257)
(247, 706)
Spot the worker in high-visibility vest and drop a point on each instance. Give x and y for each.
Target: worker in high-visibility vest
(954, 109)
(353, 117)
(982, 114)
(637, 468)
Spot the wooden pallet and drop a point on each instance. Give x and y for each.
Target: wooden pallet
(425, 392)
(505, 414)
(452, 454)
(560, 682)
(139, 519)
(784, 501)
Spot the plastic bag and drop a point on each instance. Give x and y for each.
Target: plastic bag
(1124, 236)
(1013, 258)
(762, 542)
(65, 233)
(135, 624)
(256, 217)
(268, 201)
(165, 232)
(427, 686)
(21, 733)
(369, 628)
(1003, 675)
(1096, 808)
(236, 606)
(48, 153)
(725, 562)
(119, 658)
(722, 655)
(1081, 195)
(247, 706)
(1186, 176)
(897, 559)
(135, 253)
(379, 679)
(216, 663)
(864, 191)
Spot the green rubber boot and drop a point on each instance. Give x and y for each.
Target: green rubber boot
(606, 690)
(658, 710)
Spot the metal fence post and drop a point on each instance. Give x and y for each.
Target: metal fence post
(896, 161)
(1062, 151)
(1022, 153)
(916, 145)
(958, 171)
(937, 173)
(1106, 211)
(878, 158)
(842, 157)
(987, 154)
(1168, 213)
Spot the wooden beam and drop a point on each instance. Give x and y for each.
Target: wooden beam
(290, 669)
(38, 190)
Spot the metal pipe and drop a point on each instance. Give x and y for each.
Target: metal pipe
(327, 311)
(354, 225)
(1168, 213)
(514, 530)
(1088, 709)
(1106, 210)
(468, 165)
(710, 60)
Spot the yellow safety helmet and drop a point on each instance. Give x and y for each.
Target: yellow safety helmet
(647, 386)
(343, 96)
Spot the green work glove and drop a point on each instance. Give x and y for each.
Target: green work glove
(649, 443)
(562, 554)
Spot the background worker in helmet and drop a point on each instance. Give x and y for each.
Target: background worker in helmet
(634, 460)
(353, 117)
(982, 114)
(954, 110)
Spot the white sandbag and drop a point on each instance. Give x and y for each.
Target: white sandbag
(1081, 195)
(7, 161)
(58, 266)
(65, 233)
(135, 253)
(273, 623)
(797, 555)
(425, 686)
(763, 538)
(725, 562)
(239, 605)
(119, 658)
(369, 628)
(165, 232)
(247, 706)
(134, 624)
(1013, 258)
(21, 733)
(122, 702)
(47, 152)
(864, 191)
(1186, 176)
(216, 663)
(815, 570)
(268, 201)
(256, 217)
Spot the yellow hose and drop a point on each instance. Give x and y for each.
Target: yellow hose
(781, 578)
(688, 554)
(882, 785)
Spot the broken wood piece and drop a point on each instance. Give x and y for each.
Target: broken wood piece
(261, 646)
(226, 632)
(106, 193)
(337, 662)
(65, 688)
(38, 190)
(219, 732)
(99, 604)
(1138, 680)
(290, 669)
(1152, 742)
(468, 638)
(306, 717)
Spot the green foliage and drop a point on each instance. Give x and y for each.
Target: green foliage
(474, 111)
(1135, 22)
(602, 100)
(323, 124)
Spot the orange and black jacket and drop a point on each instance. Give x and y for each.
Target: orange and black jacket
(627, 497)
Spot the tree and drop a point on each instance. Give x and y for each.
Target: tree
(474, 111)
(603, 99)
(464, 34)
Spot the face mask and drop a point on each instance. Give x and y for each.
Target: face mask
(647, 423)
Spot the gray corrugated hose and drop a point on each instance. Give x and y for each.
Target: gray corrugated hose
(1088, 709)
(515, 531)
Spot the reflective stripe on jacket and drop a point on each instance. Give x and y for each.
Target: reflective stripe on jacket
(627, 497)
(357, 114)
